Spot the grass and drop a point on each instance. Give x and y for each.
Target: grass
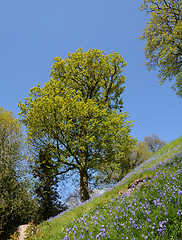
(150, 210)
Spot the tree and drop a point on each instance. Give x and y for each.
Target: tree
(154, 143)
(111, 175)
(163, 48)
(16, 203)
(79, 114)
(45, 172)
(140, 154)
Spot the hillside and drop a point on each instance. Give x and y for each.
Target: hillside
(146, 204)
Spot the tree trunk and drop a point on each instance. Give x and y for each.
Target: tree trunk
(84, 192)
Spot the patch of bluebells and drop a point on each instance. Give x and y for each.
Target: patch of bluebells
(141, 168)
(154, 160)
(153, 211)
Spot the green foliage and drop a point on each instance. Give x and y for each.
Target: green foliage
(16, 204)
(15, 236)
(113, 174)
(45, 171)
(140, 154)
(29, 233)
(163, 48)
(30, 230)
(79, 113)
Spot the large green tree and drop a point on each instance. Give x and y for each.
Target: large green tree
(79, 113)
(16, 203)
(163, 32)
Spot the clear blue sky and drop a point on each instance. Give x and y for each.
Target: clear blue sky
(33, 32)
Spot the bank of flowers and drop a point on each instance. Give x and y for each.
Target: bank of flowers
(151, 211)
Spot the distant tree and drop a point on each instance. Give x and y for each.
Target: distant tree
(79, 111)
(110, 175)
(142, 151)
(73, 198)
(16, 203)
(113, 173)
(163, 48)
(139, 154)
(45, 172)
(154, 143)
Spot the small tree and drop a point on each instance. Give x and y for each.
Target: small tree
(108, 175)
(16, 203)
(79, 112)
(163, 48)
(139, 154)
(154, 143)
(45, 171)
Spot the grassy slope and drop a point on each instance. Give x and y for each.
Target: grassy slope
(84, 222)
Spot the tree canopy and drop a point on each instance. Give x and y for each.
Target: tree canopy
(16, 203)
(79, 113)
(154, 143)
(163, 48)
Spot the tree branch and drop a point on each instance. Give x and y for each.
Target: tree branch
(67, 170)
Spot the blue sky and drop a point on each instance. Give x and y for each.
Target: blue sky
(34, 32)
